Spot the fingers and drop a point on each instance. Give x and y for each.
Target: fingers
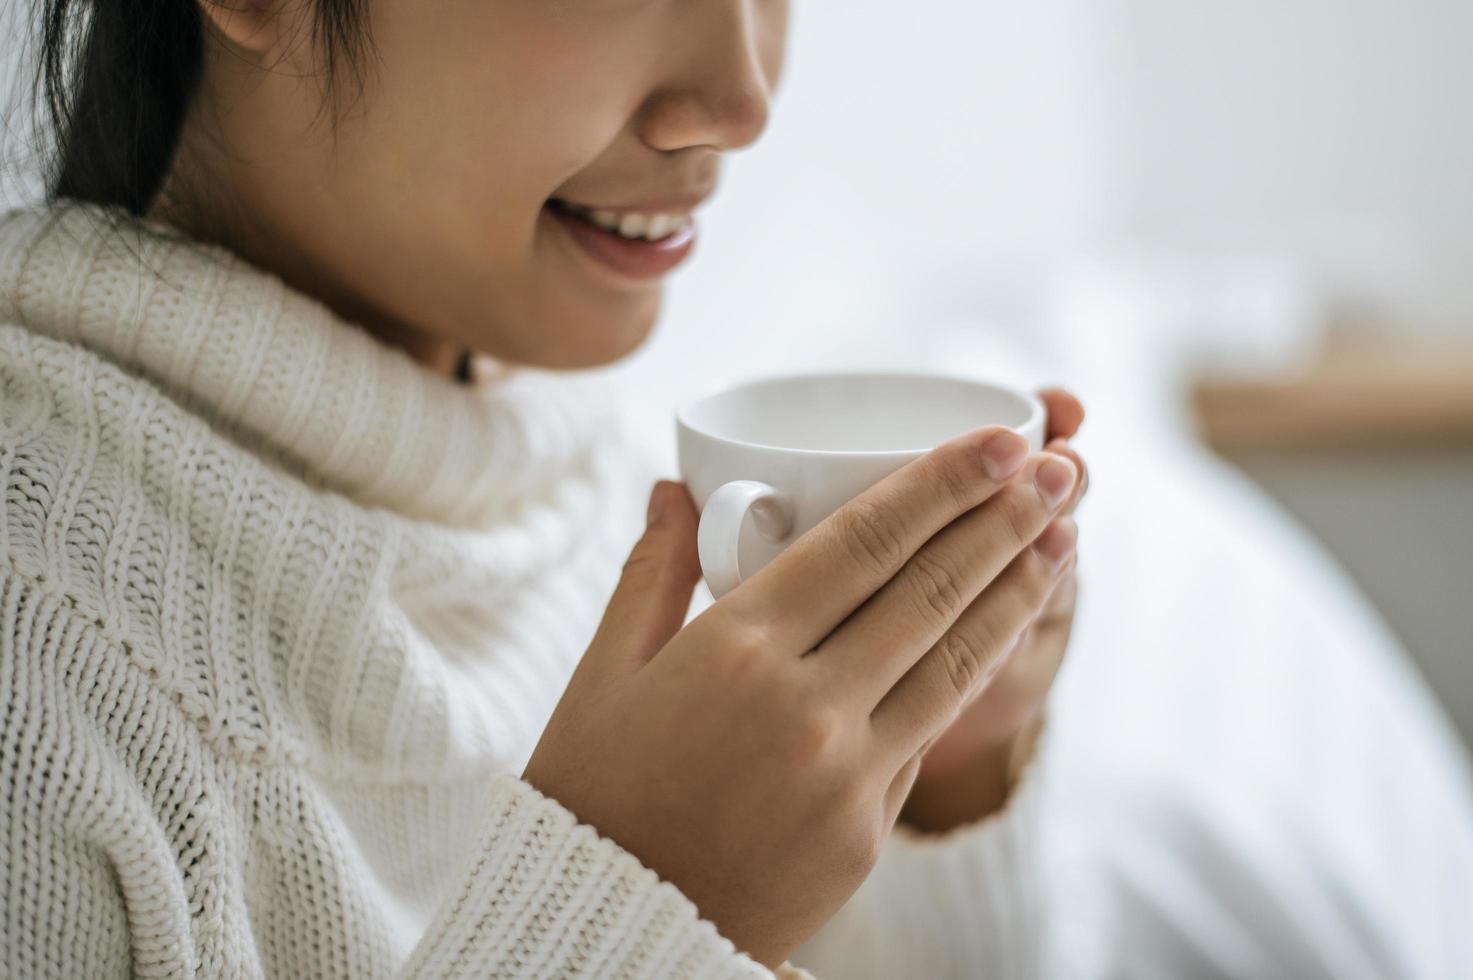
(932, 693)
(649, 604)
(1058, 611)
(871, 651)
(1017, 691)
(1062, 600)
(899, 789)
(821, 578)
(1062, 448)
(1065, 413)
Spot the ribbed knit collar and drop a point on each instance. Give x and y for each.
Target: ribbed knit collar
(280, 371)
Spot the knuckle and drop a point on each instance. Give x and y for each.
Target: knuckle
(965, 657)
(744, 651)
(755, 638)
(933, 587)
(815, 734)
(871, 538)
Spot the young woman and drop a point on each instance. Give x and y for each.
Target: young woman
(325, 651)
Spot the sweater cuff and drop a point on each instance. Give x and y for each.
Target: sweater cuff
(548, 896)
(982, 878)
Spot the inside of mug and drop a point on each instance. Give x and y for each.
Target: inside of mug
(856, 412)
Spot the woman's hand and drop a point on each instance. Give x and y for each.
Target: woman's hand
(758, 757)
(968, 772)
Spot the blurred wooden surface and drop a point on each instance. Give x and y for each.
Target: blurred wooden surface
(1356, 396)
(1371, 448)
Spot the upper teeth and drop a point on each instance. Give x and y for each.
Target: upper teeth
(650, 227)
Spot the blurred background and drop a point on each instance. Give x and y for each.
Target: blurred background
(1241, 232)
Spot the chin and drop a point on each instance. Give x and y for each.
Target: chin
(589, 342)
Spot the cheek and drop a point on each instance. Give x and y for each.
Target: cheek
(491, 106)
(462, 137)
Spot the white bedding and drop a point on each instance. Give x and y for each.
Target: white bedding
(1247, 777)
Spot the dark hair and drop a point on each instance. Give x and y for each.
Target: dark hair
(114, 79)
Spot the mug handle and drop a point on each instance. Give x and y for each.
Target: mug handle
(720, 528)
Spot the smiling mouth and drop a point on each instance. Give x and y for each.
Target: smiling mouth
(634, 225)
(634, 245)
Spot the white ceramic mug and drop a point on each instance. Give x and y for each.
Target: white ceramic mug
(791, 450)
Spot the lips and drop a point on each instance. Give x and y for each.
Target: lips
(638, 245)
(628, 224)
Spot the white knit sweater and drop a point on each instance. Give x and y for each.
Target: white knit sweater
(282, 616)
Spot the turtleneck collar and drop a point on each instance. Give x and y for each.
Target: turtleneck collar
(279, 370)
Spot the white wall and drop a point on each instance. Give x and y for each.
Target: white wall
(1251, 169)
(1340, 134)
(926, 164)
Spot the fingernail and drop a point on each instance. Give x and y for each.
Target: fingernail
(657, 505)
(1057, 542)
(1054, 478)
(1004, 454)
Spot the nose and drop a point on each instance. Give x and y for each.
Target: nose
(720, 93)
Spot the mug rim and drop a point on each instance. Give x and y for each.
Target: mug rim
(1035, 406)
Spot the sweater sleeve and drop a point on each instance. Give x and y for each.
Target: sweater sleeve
(547, 896)
(92, 885)
(964, 903)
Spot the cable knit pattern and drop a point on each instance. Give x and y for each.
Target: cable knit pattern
(281, 611)
(283, 614)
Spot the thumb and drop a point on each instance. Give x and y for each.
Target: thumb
(649, 604)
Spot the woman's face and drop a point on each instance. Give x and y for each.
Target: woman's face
(450, 202)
